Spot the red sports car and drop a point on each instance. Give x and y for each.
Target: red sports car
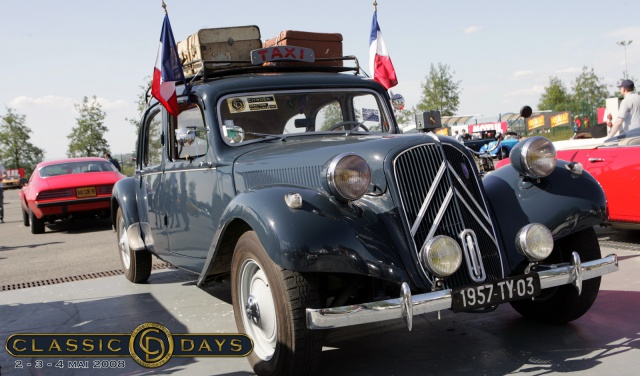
(64, 188)
(615, 163)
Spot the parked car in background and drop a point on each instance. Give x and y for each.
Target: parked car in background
(479, 139)
(507, 143)
(67, 188)
(615, 164)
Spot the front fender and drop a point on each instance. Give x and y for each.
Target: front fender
(321, 236)
(563, 202)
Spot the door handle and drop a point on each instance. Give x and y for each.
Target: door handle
(594, 160)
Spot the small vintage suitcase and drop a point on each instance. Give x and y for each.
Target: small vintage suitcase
(220, 44)
(324, 45)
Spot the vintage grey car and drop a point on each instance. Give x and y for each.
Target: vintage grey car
(294, 181)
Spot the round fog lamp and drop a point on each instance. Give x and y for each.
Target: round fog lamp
(534, 241)
(441, 256)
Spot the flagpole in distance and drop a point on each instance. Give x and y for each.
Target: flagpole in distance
(375, 5)
(164, 6)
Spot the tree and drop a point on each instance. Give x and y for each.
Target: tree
(555, 97)
(17, 151)
(589, 93)
(332, 116)
(87, 139)
(440, 91)
(141, 104)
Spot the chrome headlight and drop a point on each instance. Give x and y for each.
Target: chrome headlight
(534, 157)
(348, 176)
(441, 256)
(534, 241)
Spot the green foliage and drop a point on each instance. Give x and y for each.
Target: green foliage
(16, 150)
(589, 93)
(405, 117)
(87, 139)
(141, 105)
(555, 97)
(332, 116)
(440, 91)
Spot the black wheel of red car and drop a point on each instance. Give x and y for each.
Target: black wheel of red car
(37, 225)
(25, 218)
(562, 304)
(269, 304)
(136, 265)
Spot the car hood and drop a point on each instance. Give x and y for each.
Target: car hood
(303, 161)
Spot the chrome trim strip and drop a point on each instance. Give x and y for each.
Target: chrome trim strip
(427, 200)
(473, 260)
(440, 214)
(464, 202)
(557, 275)
(469, 194)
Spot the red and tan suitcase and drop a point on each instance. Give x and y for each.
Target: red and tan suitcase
(219, 44)
(324, 45)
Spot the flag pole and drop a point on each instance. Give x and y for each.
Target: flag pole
(375, 5)
(164, 6)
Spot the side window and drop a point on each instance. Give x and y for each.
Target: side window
(189, 136)
(152, 144)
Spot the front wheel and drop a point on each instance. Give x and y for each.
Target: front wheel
(503, 153)
(562, 304)
(270, 307)
(136, 265)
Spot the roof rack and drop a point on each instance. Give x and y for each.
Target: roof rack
(208, 69)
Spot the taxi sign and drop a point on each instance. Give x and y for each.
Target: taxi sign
(282, 53)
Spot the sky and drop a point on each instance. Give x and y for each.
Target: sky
(54, 53)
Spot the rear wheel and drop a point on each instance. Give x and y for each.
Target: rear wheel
(136, 265)
(562, 304)
(25, 218)
(270, 307)
(37, 225)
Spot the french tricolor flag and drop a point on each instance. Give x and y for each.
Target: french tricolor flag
(167, 71)
(380, 63)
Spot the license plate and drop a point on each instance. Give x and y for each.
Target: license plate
(491, 293)
(85, 192)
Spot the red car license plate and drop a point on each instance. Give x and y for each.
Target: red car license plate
(491, 293)
(85, 192)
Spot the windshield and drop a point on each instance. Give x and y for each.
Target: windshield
(76, 168)
(253, 116)
(630, 138)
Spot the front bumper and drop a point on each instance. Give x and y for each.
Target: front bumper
(406, 306)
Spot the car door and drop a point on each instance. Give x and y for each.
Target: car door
(151, 194)
(617, 169)
(189, 178)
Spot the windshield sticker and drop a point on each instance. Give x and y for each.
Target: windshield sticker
(253, 103)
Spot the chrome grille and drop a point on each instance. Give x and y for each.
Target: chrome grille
(440, 195)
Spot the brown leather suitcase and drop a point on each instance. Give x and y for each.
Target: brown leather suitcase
(219, 44)
(324, 45)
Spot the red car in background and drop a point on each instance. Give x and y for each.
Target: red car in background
(68, 188)
(615, 164)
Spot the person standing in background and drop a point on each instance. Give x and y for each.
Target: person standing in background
(113, 161)
(629, 111)
(3, 174)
